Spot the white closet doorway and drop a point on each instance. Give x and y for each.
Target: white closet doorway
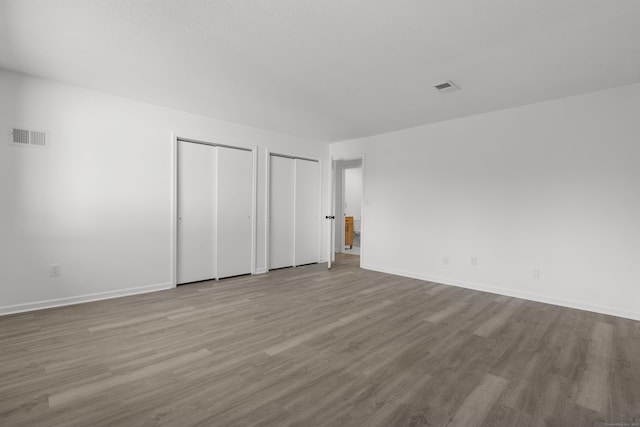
(215, 197)
(294, 211)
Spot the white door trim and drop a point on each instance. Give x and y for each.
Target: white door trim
(335, 162)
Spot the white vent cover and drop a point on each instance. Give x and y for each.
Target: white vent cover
(25, 137)
(446, 87)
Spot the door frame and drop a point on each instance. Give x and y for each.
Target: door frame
(334, 166)
(267, 199)
(174, 198)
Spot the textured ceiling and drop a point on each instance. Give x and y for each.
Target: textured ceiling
(327, 69)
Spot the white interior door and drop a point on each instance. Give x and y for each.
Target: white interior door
(332, 215)
(234, 224)
(196, 212)
(307, 212)
(281, 212)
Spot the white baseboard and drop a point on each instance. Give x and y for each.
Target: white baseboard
(612, 311)
(39, 305)
(261, 271)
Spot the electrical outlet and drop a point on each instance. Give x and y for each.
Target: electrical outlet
(535, 273)
(445, 260)
(474, 261)
(55, 270)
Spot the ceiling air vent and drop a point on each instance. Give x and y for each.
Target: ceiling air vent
(25, 137)
(446, 87)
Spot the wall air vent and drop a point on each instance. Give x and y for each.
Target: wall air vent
(25, 137)
(446, 87)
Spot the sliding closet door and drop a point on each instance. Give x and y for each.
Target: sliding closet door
(235, 191)
(281, 212)
(196, 212)
(307, 211)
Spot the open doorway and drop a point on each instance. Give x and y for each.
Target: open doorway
(348, 204)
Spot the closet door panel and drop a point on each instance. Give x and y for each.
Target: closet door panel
(235, 191)
(196, 212)
(281, 212)
(307, 212)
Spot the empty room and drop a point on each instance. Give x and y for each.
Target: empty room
(320, 213)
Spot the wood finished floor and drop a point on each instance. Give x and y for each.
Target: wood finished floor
(308, 347)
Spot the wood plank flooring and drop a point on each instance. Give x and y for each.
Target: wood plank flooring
(307, 347)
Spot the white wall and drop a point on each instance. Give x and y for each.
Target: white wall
(553, 186)
(99, 200)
